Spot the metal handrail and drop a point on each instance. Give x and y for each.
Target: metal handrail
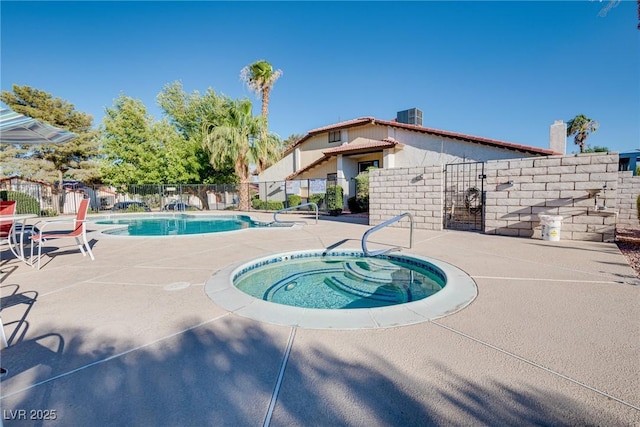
(275, 214)
(382, 225)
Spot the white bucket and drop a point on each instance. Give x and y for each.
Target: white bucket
(551, 225)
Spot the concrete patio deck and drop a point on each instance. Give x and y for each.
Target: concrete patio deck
(553, 338)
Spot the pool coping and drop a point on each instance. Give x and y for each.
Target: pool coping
(460, 291)
(108, 230)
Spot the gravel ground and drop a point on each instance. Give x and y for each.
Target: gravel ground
(628, 242)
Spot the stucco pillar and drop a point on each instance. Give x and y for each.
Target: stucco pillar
(342, 181)
(296, 159)
(388, 158)
(558, 137)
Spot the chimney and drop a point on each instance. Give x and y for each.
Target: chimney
(558, 137)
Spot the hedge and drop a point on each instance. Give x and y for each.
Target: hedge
(25, 204)
(293, 200)
(267, 205)
(318, 199)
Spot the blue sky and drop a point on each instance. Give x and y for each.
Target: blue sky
(504, 70)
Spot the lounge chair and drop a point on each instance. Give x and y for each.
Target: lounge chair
(79, 231)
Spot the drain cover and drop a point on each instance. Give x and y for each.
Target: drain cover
(177, 286)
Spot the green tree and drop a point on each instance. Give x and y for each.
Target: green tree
(260, 78)
(137, 150)
(188, 113)
(74, 159)
(581, 126)
(596, 149)
(236, 138)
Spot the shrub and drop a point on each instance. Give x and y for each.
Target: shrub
(49, 212)
(25, 204)
(357, 205)
(334, 200)
(318, 199)
(293, 200)
(134, 208)
(362, 190)
(267, 205)
(362, 184)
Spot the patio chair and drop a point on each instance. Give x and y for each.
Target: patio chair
(7, 208)
(79, 231)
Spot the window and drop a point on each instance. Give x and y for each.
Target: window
(334, 136)
(623, 165)
(363, 166)
(332, 177)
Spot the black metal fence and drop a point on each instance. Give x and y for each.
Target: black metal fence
(47, 199)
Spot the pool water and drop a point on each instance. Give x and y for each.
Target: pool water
(339, 280)
(178, 224)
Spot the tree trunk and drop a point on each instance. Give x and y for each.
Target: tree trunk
(242, 170)
(61, 193)
(243, 202)
(265, 111)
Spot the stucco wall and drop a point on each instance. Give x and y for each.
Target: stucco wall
(320, 171)
(516, 192)
(423, 149)
(372, 132)
(279, 170)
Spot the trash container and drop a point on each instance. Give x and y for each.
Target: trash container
(551, 225)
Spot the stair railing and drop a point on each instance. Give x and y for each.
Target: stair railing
(275, 214)
(381, 226)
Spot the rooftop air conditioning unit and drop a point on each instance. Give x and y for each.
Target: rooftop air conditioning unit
(412, 116)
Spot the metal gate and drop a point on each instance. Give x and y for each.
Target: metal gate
(464, 196)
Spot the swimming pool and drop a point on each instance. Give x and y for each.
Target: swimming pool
(176, 224)
(342, 289)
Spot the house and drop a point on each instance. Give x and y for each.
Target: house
(629, 161)
(339, 152)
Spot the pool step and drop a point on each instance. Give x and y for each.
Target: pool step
(387, 292)
(378, 273)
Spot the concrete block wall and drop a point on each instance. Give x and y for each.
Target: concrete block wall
(628, 192)
(417, 190)
(517, 191)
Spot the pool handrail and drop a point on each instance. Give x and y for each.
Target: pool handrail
(275, 214)
(382, 225)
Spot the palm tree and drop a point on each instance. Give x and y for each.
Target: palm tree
(260, 77)
(582, 126)
(236, 139)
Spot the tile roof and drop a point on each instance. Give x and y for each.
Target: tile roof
(363, 146)
(437, 132)
(308, 167)
(354, 147)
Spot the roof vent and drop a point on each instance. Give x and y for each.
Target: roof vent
(412, 116)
